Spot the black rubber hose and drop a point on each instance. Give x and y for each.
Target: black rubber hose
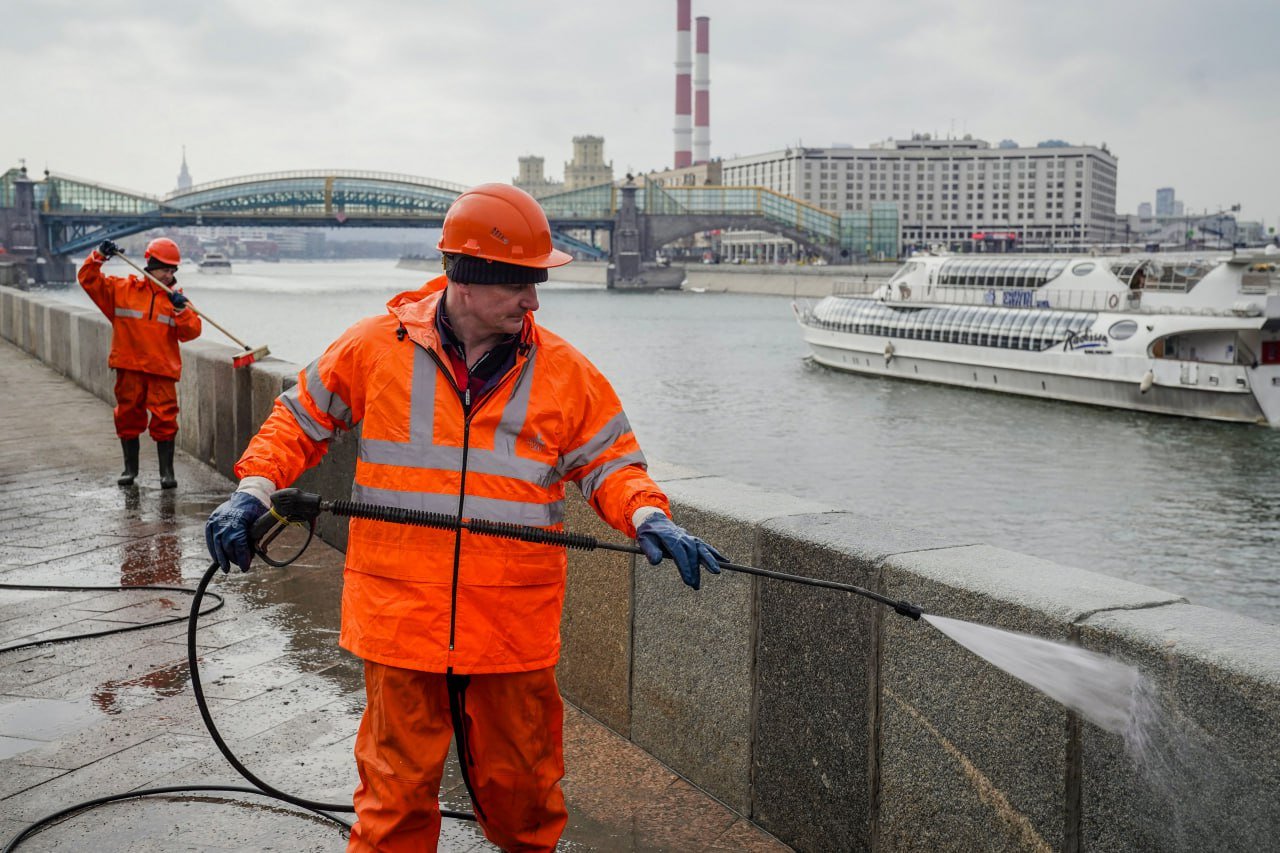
(108, 631)
(198, 689)
(145, 792)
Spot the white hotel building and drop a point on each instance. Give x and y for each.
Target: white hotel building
(958, 193)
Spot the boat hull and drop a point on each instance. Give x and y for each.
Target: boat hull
(1112, 381)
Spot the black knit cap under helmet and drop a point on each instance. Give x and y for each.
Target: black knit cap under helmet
(154, 263)
(465, 269)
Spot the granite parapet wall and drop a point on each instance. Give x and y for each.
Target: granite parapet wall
(827, 719)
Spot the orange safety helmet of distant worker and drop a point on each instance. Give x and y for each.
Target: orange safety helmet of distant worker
(163, 250)
(499, 222)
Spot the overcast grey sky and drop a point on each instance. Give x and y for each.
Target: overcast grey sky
(1185, 93)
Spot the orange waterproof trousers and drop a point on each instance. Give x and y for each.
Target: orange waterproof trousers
(509, 734)
(138, 393)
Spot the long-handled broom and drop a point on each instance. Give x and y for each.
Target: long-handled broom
(244, 359)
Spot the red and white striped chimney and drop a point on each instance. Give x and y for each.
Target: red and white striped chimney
(702, 93)
(684, 88)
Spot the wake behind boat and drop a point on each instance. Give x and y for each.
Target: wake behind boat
(1174, 335)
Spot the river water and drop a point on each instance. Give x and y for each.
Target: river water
(720, 383)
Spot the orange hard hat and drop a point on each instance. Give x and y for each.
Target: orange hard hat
(163, 250)
(498, 222)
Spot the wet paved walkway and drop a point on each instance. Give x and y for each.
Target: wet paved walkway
(111, 714)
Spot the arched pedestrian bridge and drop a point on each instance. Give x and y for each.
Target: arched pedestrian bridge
(66, 215)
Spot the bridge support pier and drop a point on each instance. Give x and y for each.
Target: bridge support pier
(630, 246)
(25, 261)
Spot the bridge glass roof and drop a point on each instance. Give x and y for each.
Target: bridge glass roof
(63, 193)
(598, 202)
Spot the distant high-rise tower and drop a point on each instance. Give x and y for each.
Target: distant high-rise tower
(588, 167)
(184, 176)
(702, 93)
(1164, 202)
(684, 88)
(532, 180)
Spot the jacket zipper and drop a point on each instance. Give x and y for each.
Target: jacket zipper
(467, 411)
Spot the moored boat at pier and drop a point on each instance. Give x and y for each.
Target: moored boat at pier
(1180, 335)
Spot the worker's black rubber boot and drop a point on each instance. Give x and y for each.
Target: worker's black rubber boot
(165, 450)
(130, 473)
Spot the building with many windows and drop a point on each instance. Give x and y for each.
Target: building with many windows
(961, 194)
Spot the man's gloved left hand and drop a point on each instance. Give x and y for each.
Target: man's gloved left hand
(178, 299)
(108, 248)
(227, 530)
(659, 536)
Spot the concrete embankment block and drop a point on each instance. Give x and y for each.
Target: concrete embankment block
(693, 664)
(95, 349)
(595, 628)
(1203, 770)
(815, 659)
(201, 401)
(971, 757)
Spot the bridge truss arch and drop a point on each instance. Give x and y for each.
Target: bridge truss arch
(320, 193)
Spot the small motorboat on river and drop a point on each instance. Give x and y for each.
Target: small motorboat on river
(215, 262)
(1179, 335)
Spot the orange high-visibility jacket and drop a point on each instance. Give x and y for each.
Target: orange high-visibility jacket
(145, 331)
(407, 600)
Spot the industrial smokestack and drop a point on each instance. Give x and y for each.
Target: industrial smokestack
(702, 93)
(684, 88)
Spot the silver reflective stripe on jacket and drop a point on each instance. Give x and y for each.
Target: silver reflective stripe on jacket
(590, 482)
(324, 399)
(586, 455)
(138, 315)
(489, 509)
(420, 451)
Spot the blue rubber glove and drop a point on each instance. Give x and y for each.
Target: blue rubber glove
(179, 301)
(227, 530)
(659, 536)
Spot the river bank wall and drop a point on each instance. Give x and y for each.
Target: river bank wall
(830, 721)
(812, 282)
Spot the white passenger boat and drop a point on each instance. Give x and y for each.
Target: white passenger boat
(1177, 335)
(215, 262)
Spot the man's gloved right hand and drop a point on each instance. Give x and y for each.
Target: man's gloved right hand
(108, 249)
(227, 530)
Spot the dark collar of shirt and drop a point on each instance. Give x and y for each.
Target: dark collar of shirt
(488, 370)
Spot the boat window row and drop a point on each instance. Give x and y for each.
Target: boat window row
(972, 325)
(1177, 276)
(1001, 272)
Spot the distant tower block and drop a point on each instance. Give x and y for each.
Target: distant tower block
(684, 87)
(702, 93)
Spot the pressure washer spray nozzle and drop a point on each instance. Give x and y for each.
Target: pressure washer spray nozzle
(906, 608)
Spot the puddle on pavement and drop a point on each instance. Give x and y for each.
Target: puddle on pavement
(11, 746)
(46, 719)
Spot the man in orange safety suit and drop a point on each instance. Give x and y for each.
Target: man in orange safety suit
(467, 408)
(147, 324)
